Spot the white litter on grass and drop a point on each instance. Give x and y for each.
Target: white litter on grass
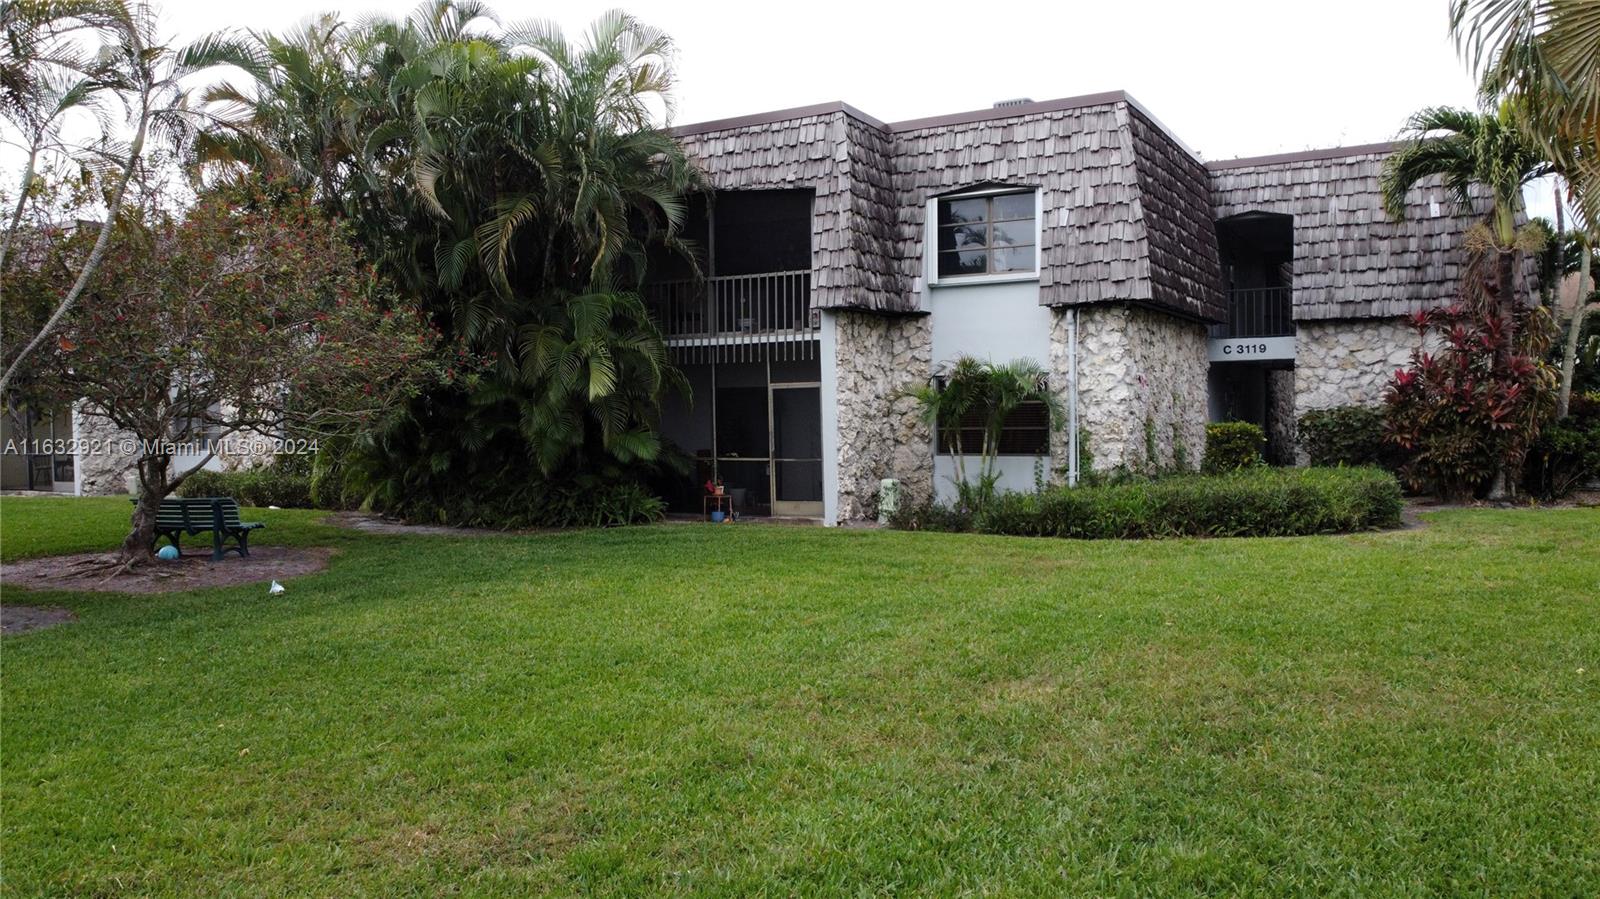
(275, 589)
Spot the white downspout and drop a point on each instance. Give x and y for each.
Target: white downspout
(1072, 397)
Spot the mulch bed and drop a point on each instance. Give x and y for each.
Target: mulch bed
(90, 571)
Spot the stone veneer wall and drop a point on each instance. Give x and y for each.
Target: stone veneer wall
(1347, 363)
(102, 473)
(881, 434)
(1342, 363)
(112, 473)
(1138, 370)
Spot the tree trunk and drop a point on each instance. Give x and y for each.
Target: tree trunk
(1506, 303)
(1569, 351)
(1500, 487)
(1506, 298)
(22, 205)
(139, 546)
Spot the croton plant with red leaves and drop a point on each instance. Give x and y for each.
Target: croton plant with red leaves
(1475, 396)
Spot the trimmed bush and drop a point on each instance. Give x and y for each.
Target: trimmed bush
(1231, 445)
(1347, 435)
(1253, 502)
(264, 486)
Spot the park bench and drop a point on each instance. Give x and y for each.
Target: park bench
(217, 514)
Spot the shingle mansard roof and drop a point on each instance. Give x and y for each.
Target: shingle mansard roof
(1128, 211)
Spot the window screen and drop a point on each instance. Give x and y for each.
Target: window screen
(1026, 432)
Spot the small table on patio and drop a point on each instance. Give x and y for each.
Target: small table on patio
(711, 502)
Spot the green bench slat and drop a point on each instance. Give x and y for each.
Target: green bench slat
(193, 515)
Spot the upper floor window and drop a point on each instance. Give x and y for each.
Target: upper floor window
(992, 234)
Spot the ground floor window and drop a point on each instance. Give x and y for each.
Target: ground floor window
(1026, 432)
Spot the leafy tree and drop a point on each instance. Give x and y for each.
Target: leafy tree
(993, 391)
(45, 77)
(245, 313)
(53, 69)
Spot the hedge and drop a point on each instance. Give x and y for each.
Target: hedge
(1253, 502)
(259, 487)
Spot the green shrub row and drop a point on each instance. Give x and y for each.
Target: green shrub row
(1251, 502)
(260, 487)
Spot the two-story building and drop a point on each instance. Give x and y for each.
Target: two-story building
(845, 260)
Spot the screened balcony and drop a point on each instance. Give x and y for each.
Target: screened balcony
(746, 292)
(736, 311)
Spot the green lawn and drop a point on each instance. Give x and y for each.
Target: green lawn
(740, 710)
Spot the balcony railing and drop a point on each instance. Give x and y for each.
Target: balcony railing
(736, 317)
(1258, 312)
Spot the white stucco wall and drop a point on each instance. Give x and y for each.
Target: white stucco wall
(998, 322)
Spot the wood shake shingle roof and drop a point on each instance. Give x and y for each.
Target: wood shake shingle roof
(1128, 213)
(1350, 259)
(842, 159)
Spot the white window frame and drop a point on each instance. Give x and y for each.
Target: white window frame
(930, 240)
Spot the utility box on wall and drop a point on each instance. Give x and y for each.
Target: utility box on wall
(888, 499)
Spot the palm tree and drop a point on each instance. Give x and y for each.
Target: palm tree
(1469, 150)
(993, 391)
(1544, 57)
(297, 120)
(511, 179)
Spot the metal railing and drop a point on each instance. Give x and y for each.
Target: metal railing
(1258, 312)
(734, 317)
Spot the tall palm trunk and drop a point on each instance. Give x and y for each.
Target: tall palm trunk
(1580, 310)
(1506, 291)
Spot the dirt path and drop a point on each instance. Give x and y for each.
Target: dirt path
(22, 619)
(377, 524)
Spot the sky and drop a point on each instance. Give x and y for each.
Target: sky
(1229, 77)
(1239, 78)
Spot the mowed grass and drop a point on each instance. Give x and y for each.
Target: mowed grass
(746, 710)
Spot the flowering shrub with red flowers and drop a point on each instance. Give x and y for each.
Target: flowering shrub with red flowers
(1475, 396)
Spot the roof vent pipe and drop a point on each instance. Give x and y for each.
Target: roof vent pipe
(1019, 101)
